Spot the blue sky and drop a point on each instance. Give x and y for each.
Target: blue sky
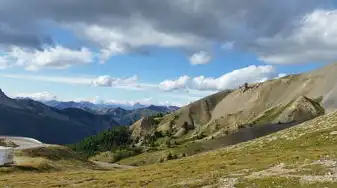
(128, 52)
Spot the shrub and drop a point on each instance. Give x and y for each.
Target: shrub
(113, 139)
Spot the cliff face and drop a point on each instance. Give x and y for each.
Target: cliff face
(301, 109)
(298, 110)
(142, 127)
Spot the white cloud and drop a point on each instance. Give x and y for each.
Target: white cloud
(250, 74)
(117, 27)
(46, 96)
(129, 83)
(314, 40)
(145, 101)
(168, 103)
(39, 96)
(169, 85)
(115, 40)
(94, 100)
(200, 58)
(235, 78)
(108, 81)
(281, 75)
(129, 103)
(56, 57)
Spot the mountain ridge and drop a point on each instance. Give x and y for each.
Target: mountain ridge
(99, 106)
(26, 117)
(239, 107)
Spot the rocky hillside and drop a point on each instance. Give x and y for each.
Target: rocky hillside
(142, 127)
(299, 110)
(287, 99)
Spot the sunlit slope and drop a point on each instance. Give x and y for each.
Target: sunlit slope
(301, 156)
(243, 105)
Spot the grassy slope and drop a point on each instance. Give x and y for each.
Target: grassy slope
(47, 159)
(263, 162)
(187, 146)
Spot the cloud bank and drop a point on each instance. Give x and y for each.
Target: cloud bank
(231, 80)
(278, 32)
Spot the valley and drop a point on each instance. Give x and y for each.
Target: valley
(301, 156)
(168, 93)
(252, 134)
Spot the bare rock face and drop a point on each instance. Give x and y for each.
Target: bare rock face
(142, 127)
(301, 109)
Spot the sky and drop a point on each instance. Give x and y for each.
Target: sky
(157, 51)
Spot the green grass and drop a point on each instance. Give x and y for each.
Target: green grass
(270, 182)
(296, 147)
(314, 169)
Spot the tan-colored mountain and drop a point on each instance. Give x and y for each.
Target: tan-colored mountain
(287, 99)
(142, 127)
(299, 110)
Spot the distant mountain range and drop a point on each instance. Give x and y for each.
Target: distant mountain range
(123, 114)
(65, 122)
(127, 117)
(92, 106)
(26, 117)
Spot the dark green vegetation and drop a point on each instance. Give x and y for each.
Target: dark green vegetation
(115, 139)
(119, 145)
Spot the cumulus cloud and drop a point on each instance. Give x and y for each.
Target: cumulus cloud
(250, 74)
(39, 96)
(281, 75)
(108, 81)
(115, 40)
(169, 85)
(145, 101)
(56, 57)
(118, 26)
(128, 103)
(200, 58)
(314, 40)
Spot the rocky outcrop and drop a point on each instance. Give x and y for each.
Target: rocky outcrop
(301, 109)
(192, 116)
(142, 127)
